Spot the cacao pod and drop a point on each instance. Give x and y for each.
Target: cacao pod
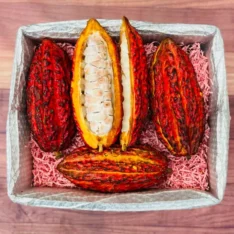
(96, 87)
(114, 170)
(134, 82)
(48, 97)
(177, 100)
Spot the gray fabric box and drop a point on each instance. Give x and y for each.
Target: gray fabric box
(19, 159)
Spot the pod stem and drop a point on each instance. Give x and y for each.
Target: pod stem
(189, 156)
(124, 147)
(100, 148)
(58, 155)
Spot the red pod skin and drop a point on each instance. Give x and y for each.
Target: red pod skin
(139, 84)
(177, 100)
(114, 170)
(49, 107)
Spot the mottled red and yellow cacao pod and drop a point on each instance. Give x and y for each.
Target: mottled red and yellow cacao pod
(96, 87)
(114, 170)
(134, 82)
(48, 97)
(177, 100)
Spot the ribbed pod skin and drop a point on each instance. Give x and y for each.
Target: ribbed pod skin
(138, 81)
(96, 140)
(177, 100)
(114, 170)
(48, 97)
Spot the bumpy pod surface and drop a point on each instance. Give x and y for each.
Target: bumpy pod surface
(177, 100)
(96, 87)
(114, 170)
(48, 97)
(135, 83)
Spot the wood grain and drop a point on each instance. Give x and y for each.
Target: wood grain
(19, 219)
(35, 12)
(199, 4)
(25, 228)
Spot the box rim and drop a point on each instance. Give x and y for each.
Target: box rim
(118, 207)
(23, 30)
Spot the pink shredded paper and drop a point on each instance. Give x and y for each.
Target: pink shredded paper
(186, 173)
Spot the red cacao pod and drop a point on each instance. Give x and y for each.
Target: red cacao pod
(134, 82)
(114, 170)
(48, 97)
(177, 100)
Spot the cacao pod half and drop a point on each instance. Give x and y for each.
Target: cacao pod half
(135, 84)
(177, 100)
(48, 97)
(114, 170)
(96, 87)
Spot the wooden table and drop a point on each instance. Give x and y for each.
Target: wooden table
(15, 218)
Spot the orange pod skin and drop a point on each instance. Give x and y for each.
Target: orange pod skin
(91, 139)
(114, 170)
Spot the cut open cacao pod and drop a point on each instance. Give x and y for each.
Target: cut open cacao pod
(177, 100)
(134, 82)
(96, 87)
(114, 170)
(48, 97)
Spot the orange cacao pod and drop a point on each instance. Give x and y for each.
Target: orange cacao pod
(135, 84)
(48, 97)
(96, 87)
(177, 100)
(114, 170)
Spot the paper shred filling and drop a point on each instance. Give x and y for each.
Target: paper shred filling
(44, 171)
(186, 173)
